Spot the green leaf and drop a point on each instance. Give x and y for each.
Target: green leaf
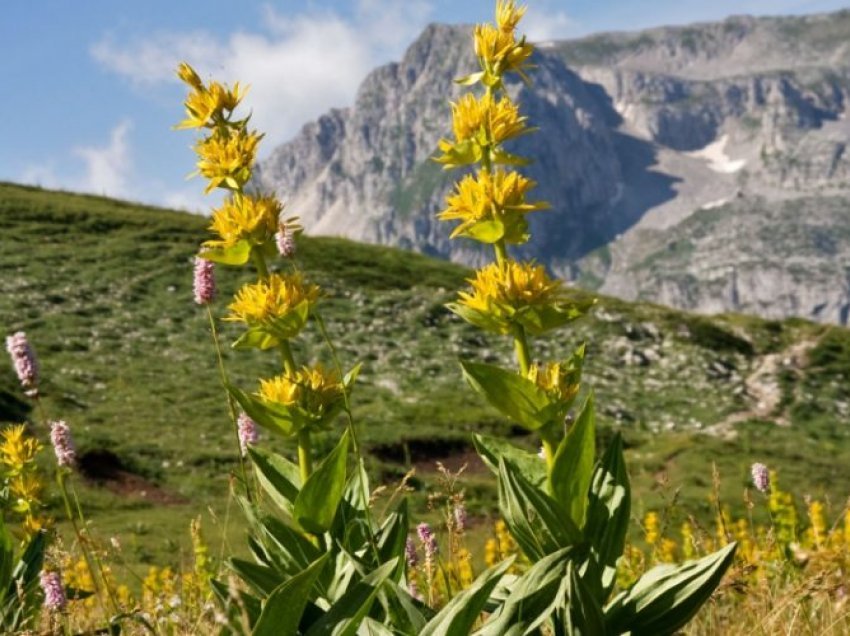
(261, 578)
(316, 504)
(515, 396)
(244, 605)
(255, 338)
(277, 476)
(283, 609)
(236, 254)
(531, 598)
(529, 465)
(289, 551)
(392, 537)
(464, 610)
(668, 596)
(608, 510)
(469, 80)
(534, 519)
(275, 417)
(581, 610)
(347, 613)
(290, 324)
(7, 559)
(490, 231)
(572, 468)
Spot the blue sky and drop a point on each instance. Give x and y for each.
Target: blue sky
(89, 95)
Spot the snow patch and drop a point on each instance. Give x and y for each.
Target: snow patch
(714, 153)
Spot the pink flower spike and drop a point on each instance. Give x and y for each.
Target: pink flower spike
(248, 433)
(24, 361)
(54, 592)
(204, 283)
(63, 444)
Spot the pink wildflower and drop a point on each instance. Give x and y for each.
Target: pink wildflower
(23, 359)
(63, 444)
(204, 284)
(54, 592)
(248, 434)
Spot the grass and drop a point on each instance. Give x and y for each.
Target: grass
(103, 289)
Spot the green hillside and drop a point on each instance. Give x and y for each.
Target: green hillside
(103, 290)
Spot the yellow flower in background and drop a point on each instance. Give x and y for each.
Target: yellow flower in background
(272, 298)
(206, 105)
(559, 380)
(651, 528)
(245, 217)
(16, 450)
(510, 285)
(313, 389)
(496, 197)
(226, 158)
(508, 15)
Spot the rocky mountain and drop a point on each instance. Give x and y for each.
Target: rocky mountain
(702, 166)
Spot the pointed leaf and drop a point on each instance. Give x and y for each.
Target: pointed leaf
(347, 613)
(534, 518)
(236, 254)
(572, 469)
(464, 610)
(316, 504)
(529, 465)
(608, 511)
(283, 609)
(517, 397)
(668, 596)
(278, 477)
(580, 609)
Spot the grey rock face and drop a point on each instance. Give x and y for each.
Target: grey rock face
(642, 137)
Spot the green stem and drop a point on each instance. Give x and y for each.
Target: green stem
(305, 459)
(501, 251)
(230, 403)
(550, 447)
(286, 356)
(521, 348)
(260, 263)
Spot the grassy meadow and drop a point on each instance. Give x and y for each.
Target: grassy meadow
(103, 290)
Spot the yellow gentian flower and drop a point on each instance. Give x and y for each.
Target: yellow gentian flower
(313, 389)
(253, 218)
(560, 381)
(510, 285)
(272, 299)
(508, 15)
(226, 158)
(491, 206)
(206, 105)
(16, 450)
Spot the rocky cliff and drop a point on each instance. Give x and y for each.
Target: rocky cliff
(701, 166)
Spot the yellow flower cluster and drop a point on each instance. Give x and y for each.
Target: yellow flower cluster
(557, 379)
(313, 389)
(18, 456)
(497, 48)
(272, 298)
(226, 158)
(481, 200)
(252, 218)
(510, 285)
(206, 104)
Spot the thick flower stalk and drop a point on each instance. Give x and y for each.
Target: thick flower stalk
(24, 361)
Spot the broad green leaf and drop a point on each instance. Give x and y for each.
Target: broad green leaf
(289, 551)
(277, 418)
(283, 609)
(236, 254)
(479, 318)
(490, 231)
(7, 559)
(515, 396)
(469, 80)
(668, 596)
(408, 615)
(529, 465)
(581, 610)
(261, 578)
(371, 627)
(608, 510)
(347, 613)
(392, 537)
(572, 468)
(316, 504)
(277, 476)
(530, 599)
(246, 605)
(535, 520)
(255, 338)
(464, 610)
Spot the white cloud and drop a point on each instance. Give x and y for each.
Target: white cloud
(108, 168)
(541, 24)
(102, 169)
(297, 66)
